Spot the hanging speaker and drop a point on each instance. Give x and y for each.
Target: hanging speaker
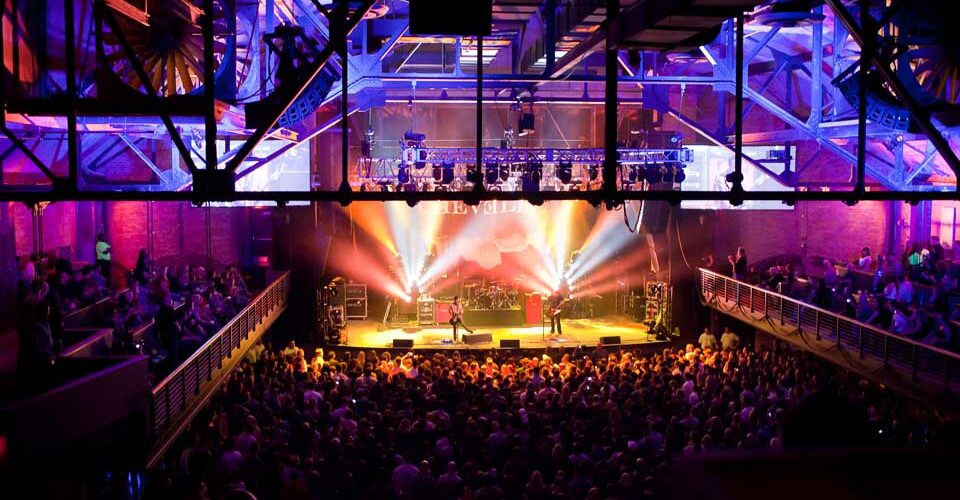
(446, 17)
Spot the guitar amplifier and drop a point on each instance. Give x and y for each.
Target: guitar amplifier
(426, 311)
(533, 309)
(442, 312)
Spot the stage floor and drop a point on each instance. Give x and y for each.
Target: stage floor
(587, 332)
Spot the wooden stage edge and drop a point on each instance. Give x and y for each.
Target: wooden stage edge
(576, 332)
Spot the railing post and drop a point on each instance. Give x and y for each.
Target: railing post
(750, 298)
(817, 320)
(886, 342)
(914, 362)
(765, 314)
(838, 331)
(781, 312)
(860, 342)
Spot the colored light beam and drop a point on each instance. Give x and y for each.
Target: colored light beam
(607, 237)
(372, 219)
(365, 267)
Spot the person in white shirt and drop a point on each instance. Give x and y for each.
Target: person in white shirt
(905, 291)
(708, 340)
(899, 323)
(865, 260)
(729, 340)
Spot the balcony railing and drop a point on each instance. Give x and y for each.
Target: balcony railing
(178, 395)
(919, 361)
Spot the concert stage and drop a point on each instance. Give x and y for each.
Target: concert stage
(576, 332)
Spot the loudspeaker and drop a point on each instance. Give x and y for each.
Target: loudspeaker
(614, 340)
(445, 17)
(477, 338)
(656, 214)
(403, 343)
(509, 343)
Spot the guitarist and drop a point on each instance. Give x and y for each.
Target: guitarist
(556, 301)
(456, 317)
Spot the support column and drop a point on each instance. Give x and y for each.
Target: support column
(36, 218)
(86, 231)
(610, 106)
(894, 243)
(920, 221)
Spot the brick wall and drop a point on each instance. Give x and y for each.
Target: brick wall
(126, 230)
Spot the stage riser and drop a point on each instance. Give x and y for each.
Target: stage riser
(513, 317)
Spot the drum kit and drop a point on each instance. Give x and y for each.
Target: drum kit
(492, 295)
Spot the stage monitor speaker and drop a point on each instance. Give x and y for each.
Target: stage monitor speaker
(446, 17)
(402, 343)
(477, 338)
(509, 343)
(613, 340)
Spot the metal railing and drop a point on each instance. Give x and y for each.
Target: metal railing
(919, 361)
(177, 393)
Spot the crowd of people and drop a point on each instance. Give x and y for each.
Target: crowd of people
(581, 424)
(186, 305)
(913, 294)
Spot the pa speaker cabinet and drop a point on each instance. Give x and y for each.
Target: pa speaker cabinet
(403, 343)
(449, 17)
(477, 338)
(509, 343)
(613, 340)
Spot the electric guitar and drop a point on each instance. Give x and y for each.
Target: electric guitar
(557, 309)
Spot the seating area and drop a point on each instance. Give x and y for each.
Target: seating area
(915, 295)
(591, 423)
(163, 312)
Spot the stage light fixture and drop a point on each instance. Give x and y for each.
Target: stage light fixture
(530, 180)
(633, 174)
(680, 175)
(411, 202)
(564, 171)
(403, 174)
(594, 172)
(654, 174)
(667, 173)
(492, 172)
(504, 172)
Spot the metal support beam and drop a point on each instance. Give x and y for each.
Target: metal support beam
(761, 44)
(867, 47)
(144, 158)
(737, 186)
(835, 148)
(550, 17)
(291, 95)
(209, 89)
(689, 123)
(478, 167)
(816, 73)
(27, 152)
(591, 196)
(340, 39)
(612, 73)
(70, 61)
(919, 114)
